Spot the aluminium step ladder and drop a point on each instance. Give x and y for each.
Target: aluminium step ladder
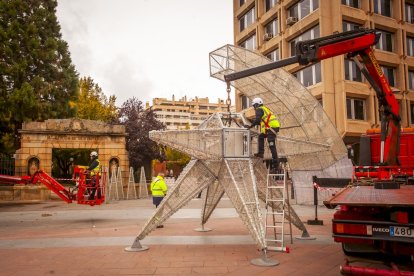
(277, 200)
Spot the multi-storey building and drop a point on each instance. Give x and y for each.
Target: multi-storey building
(185, 114)
(272, 28)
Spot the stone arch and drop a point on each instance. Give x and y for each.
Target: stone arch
(38, 139)
(33, 164)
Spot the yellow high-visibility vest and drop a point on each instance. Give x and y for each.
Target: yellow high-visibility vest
(97, 169)
(158, 186)
(268, 120)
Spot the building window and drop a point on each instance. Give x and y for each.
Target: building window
(245, 102)
(349, 26)
(247, 19)
(411, 80)
(242, 2)
(303, 8)
(389, 73)
(269, 4)
(410, 46)
(351, 3)
(412, 112)
(273, 55)
(352, 71)
(355, 109)
(385, 42)
(409, 13)
(249, 43)
(383, 7)
(272, 29)
(310, 75)
(310, 34)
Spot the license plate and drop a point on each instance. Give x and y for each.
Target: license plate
(398, 231)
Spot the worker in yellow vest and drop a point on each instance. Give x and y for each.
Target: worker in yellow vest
(269, 126)
(159, 191)
(94, 171)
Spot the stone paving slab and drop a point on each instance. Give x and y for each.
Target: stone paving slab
(156, 240)
(54, 238)
(163, 260)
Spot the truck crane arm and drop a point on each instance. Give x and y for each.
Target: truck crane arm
(352, 43)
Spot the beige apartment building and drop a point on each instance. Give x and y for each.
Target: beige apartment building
(183, 113)
(272, 27)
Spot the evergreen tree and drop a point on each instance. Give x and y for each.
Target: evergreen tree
(93, 104)
(37, 78)
(138, 123)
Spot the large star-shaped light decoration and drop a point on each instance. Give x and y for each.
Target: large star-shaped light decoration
(221, 148)
(307, 137)
(221, 163)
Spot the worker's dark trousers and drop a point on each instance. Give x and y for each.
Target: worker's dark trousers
(271, 139)
(93, 189)
(156, 200)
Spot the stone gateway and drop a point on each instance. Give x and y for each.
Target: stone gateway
(38, 139)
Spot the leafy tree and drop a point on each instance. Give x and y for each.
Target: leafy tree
(176, 156)
(93, 104)
(138, 123)
(176, 160)
(38, 80)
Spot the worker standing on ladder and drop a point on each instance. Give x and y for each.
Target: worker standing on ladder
(269, 128)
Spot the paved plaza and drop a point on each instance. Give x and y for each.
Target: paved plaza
(55, 238)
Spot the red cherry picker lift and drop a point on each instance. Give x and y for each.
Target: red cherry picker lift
(85, 186)
(379, 215)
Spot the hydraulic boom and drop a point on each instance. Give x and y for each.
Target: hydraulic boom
(84, 186)
(356, 43)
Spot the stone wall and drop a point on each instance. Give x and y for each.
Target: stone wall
(24, 193)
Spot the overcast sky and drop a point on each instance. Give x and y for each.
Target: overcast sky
(147, 48)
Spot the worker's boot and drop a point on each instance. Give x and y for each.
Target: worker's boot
(274, 167)
(259, 155)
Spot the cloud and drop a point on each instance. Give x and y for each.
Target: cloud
(125, 80)
(147, 49)
(75, 31)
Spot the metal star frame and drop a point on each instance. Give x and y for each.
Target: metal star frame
(220, 147)
(221, 163)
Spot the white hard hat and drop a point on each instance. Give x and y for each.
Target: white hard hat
(94, 154)
(257, 101)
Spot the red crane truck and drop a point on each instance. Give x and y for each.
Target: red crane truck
(377, 210)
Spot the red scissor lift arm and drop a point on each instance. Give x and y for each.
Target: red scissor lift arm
(53, 185)
(84, 186)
